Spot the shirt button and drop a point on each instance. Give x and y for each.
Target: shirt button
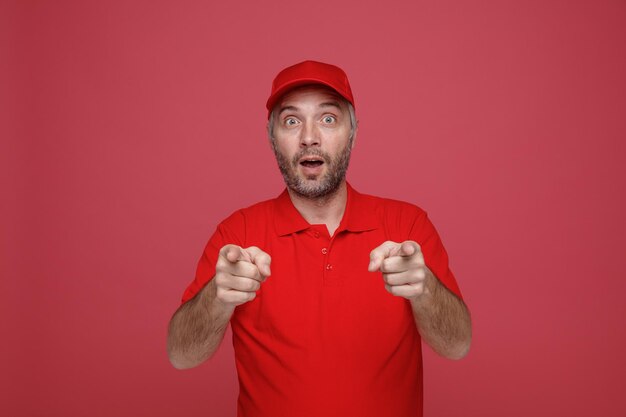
(329, 267)
(324, 251)
(316, 234)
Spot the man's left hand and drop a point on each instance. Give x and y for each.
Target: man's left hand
(403, 268)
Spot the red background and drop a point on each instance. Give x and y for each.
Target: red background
(131, 128)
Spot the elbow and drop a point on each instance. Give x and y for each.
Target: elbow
(460, 351)
(463, 342)
(461, 348)
(455, 348)
(181, 358)
(180, 361)
(177, 360)
(181, 364)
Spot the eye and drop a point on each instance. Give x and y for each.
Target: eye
(329, 119)
(290, 121)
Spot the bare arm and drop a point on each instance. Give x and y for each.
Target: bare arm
(441, 317)
(198, 326)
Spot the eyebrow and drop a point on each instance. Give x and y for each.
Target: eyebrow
(322, 105)
(290, 108)
(331, 104)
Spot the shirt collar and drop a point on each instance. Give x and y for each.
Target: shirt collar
(359, 216)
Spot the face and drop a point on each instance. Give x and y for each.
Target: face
(312, 139)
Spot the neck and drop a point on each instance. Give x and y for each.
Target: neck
(326, 210)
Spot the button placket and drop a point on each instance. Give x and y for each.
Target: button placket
(332, 275)
(328, 266)
(327, 259)
(324, 246)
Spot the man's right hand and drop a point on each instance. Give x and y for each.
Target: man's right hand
(239, 273)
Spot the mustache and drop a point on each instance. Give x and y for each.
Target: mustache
(307, 153)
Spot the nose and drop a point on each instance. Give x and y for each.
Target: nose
(309, 135)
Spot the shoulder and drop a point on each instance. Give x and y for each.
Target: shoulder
(396, 218)
(389, 209)
(253, 216)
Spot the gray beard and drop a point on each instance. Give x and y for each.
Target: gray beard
(329, 183)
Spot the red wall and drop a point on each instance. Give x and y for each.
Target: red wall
(132, 128)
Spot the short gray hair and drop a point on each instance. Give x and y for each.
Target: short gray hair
(353, 121)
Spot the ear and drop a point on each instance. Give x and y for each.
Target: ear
(356, 130)
(269, 134)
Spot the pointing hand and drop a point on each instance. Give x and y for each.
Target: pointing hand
(403, 268)
(239, 273)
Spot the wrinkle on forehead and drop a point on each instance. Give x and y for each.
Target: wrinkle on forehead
(337, 99)
(323, 105)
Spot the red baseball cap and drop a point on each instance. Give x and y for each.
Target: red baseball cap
(309, 72)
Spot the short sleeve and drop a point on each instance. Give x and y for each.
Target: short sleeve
(435, 255)
(230, 231)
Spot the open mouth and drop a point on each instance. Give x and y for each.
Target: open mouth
(311, 162)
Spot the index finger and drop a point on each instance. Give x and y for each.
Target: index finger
(234, 253)
(380, 253)
(410, 248)
(261, 259)
(407, 248)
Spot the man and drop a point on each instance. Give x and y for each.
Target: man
(328, 291)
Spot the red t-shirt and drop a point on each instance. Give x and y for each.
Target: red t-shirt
(323, 337)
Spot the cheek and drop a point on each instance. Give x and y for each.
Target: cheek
(285, 151)
(281, 143)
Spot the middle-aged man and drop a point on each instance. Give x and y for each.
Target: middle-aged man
(329, 292)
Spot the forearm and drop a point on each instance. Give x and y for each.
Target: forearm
(197, 328)
(443, 320)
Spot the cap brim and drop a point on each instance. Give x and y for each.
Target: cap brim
(284, 89)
